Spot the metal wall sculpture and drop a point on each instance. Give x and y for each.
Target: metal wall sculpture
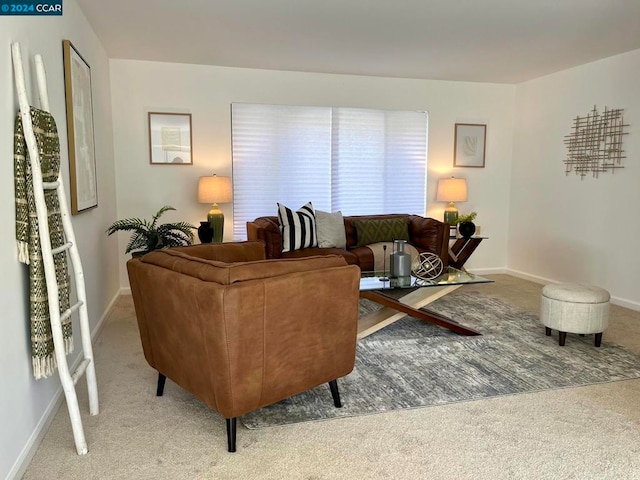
(595, 144)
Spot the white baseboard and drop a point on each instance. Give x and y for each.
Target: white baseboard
(487, 271)
(531, 278)
(622, 302)
(30, 448)
(125, 291)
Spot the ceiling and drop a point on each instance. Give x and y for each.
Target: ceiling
(503, 41)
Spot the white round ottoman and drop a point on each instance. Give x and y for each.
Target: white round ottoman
(575, 308)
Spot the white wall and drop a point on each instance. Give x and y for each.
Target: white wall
(563, 228)
(25, 403)
(207, 92)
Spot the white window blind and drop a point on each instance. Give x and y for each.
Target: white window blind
(378, 161)
(359, 161)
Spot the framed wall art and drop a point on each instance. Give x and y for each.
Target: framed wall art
(170, 138)
(470, 145)
(82, 154)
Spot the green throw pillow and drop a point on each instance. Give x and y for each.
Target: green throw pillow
(381, 230)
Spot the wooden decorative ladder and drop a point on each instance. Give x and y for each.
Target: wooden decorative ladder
(87, 365)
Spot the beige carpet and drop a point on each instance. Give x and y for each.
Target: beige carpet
(588, 432)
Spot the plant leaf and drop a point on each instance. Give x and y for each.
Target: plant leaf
(146, 236)
(166, 208)
(126, 225)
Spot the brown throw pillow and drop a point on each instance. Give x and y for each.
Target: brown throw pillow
(381, 230)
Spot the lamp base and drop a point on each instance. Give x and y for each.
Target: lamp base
(451, 214)
(216, 220)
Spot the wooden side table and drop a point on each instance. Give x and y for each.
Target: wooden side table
(462, 249)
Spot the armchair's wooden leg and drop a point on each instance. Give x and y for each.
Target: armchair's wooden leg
(161, 380)
(333, 385)
(231, 434)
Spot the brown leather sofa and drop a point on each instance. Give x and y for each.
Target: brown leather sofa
(240, 332)
(425, 234)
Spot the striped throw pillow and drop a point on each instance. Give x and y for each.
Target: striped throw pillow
(298, 228)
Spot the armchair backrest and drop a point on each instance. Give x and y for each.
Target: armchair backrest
(245, 334)
(225, 252)
(224, 273)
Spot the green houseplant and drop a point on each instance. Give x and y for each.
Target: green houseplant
(148, 235)
(468, 217)
(466, 227)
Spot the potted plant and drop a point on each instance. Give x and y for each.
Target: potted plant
(148, 235)
(466, 227)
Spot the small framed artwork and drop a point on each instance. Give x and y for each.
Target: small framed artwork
(170, 139)
(82, 154)
(469, 146)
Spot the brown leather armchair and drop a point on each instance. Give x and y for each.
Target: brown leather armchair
(240, 332)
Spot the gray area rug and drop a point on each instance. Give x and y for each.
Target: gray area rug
(412, 364)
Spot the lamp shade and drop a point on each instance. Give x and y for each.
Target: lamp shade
(214, 189)
(452, 190)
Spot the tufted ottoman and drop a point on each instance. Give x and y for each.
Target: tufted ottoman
(570, 307)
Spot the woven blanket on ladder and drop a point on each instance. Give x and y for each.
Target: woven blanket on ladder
(28, 238)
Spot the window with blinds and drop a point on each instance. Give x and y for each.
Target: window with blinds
(356, 160)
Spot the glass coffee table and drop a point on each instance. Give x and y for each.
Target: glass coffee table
(405, 296)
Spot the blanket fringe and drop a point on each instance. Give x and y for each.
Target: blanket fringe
(44, 367)
(23, 252)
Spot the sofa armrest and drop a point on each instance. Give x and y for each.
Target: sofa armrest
(431, 235)
(266, 229)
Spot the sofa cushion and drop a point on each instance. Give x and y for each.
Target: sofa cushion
(330, 229)
(381, 230)
(298, 228)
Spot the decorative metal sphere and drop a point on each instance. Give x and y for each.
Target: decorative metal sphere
(427, 266)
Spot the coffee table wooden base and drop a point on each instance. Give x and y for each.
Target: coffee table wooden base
(395, 309)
